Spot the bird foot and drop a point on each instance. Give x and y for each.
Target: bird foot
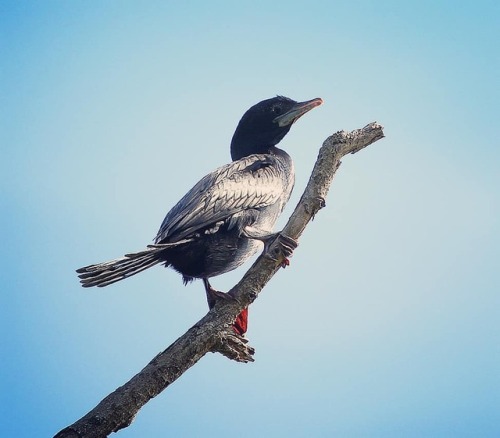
(284, 249)
(241, 322)
(218, 295)
(214, 295)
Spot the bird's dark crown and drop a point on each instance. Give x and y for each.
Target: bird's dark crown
(257, 131)
(265, 124)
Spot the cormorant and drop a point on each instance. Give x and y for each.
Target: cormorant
(229, 214)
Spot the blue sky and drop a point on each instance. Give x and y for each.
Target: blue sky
(385, 325)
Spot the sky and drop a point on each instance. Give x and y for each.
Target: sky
(386, 323)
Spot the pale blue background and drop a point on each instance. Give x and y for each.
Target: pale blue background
(387, 322)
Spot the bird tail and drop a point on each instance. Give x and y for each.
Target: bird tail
(103, 274)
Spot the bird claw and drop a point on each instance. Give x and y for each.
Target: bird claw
(240, 324)
(216, 295)
(285, 263)
(222, 295)
(284, 249)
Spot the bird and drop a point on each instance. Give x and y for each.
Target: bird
(229, 214)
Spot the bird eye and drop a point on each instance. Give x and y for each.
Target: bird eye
(276, 110)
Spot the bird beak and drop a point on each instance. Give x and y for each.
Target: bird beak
(297, 111)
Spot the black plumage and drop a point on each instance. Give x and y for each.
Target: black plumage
(225, 218)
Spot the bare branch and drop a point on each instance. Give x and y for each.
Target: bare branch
(213, 333)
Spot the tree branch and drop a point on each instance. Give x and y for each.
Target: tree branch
(213, 333)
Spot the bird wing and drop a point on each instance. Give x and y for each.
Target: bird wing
(253, 182)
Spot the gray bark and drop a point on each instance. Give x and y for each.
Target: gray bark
(213, 333)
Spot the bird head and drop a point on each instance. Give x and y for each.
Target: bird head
(265, 124)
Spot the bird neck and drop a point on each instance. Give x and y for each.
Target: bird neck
(240, 150)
